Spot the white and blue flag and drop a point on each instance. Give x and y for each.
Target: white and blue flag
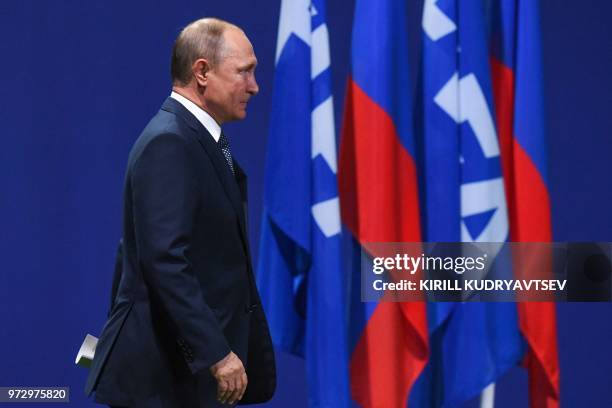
(299, 272)
(472, 344)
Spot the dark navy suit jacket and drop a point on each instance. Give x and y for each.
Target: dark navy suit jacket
(184, 295)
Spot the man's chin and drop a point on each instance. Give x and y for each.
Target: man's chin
(236, 116)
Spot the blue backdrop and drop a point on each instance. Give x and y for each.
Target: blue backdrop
(79, 81)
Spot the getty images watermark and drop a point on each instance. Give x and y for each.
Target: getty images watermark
(488, 272)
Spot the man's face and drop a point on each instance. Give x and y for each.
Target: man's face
(231, 83)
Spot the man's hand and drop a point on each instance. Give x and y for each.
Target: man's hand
(231, 379)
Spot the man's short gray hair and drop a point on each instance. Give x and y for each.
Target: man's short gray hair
(201, 39)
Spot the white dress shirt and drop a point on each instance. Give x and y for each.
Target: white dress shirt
(204, 117)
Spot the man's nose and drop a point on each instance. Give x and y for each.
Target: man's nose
(252, 86)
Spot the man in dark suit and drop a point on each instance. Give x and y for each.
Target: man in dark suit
(186, 328)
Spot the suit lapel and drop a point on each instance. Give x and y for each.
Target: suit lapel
(229, 183)
(241, 180)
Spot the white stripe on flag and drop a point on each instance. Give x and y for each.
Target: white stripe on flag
(436, 24)
(324, 134)
(327, 215)
(320, 51)
(294, 19)
(487, 396)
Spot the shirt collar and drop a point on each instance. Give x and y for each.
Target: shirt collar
(201, 115)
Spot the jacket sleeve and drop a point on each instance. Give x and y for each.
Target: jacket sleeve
(165, 209)
(117, 274)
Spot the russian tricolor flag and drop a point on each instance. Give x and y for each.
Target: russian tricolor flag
(379, 200)
(518, 90)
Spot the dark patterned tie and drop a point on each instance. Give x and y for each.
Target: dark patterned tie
(225, 148)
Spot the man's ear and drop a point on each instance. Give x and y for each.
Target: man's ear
(200, 69)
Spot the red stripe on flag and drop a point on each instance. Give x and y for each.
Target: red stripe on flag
(389, 355)
(539, 326)
(379, 203)
(376, 177)
(529, 209)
